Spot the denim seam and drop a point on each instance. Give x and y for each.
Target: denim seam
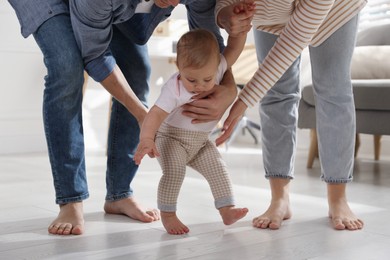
(336, 181)
(112, 155)
(278, 175)
(118, 197)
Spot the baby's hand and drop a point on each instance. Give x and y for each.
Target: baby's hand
(146, 146)
(244, 6)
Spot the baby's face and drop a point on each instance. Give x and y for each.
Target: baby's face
(199, 80)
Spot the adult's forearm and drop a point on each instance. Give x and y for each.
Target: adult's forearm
(118, 87)
(286, 49)
(230, 86)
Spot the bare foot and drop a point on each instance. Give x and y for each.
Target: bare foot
(339, 211)
(278, 211)
(132, 209)
(70, 220)
(231, 214)
(172, 224)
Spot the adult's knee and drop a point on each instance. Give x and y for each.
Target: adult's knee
(67, 65)
(65, 77)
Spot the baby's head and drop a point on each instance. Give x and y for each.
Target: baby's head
(198, 58)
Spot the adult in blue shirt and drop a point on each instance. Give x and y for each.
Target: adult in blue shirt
(118, 59)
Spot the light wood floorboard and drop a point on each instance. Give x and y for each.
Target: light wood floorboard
(27, 207)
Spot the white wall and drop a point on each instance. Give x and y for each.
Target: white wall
(22, 83)
(21, 86)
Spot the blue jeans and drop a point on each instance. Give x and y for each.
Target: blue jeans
(62, 112)
(123, 136)
(335, 109)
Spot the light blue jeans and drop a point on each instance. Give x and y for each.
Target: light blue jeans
(62, 112)
(335, 109)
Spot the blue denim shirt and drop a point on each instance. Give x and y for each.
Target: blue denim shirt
(94, 37)
(33, 13)
(92, 22)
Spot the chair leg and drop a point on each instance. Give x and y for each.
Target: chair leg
(377, 146)
(357, 144)
(313, 149)
(252, 134)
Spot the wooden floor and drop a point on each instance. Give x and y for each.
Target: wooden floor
(27, 207)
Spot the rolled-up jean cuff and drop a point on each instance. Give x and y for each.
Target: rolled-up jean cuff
(73, 199)
(278, 176)
(118, 196)
(339, 181)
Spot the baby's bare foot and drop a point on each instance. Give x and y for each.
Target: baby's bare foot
(132, 209)
(70, 220)
(231, 214)
(172, 224)
(343, 217)
(278, 211)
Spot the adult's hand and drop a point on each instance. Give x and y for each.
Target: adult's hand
(116, 84)
(236, 18)
(212, 105)
(235, 114)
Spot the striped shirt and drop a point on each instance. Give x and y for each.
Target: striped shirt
(298, 23)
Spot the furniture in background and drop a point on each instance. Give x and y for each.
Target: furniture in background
(370, 74)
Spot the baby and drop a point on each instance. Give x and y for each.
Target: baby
(176, 142)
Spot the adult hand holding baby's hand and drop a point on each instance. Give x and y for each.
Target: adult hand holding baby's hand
(236, 19)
